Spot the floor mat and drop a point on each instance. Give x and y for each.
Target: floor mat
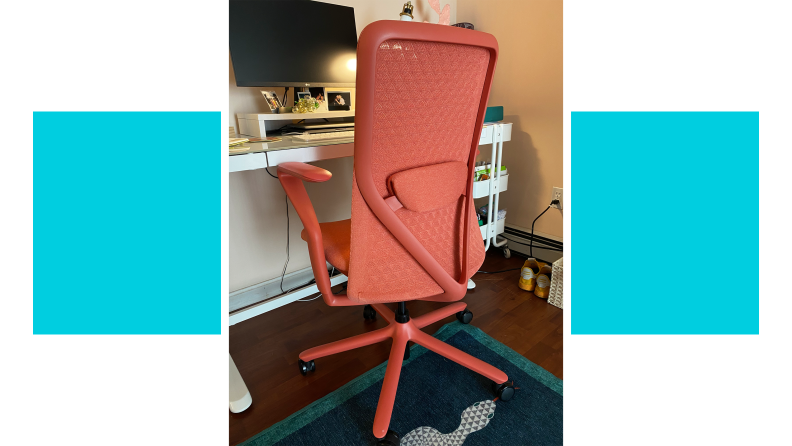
(438, 402)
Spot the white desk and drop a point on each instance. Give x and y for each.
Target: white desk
(263, 155)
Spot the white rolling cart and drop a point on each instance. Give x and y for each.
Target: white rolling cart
(501, 131)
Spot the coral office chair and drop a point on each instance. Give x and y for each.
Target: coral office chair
(422, 91)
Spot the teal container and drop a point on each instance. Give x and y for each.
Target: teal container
(494, 114)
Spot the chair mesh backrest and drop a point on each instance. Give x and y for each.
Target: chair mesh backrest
(427, 96)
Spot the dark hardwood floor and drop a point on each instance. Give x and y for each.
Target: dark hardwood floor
(266, 348)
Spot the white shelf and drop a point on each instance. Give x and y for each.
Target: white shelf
(500, 228)
(481, 189)
(292, 116)
(257, 124)
(488, 132)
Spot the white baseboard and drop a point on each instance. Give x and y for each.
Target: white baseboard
(278, 301)
(264, 290)
(538, 251)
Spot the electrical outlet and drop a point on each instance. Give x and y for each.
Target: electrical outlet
(558, 194)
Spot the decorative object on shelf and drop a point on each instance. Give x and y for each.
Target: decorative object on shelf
(406, 14)
(445, 14)
(301, 94)
(339, 100)
(484, 210)
(465, 25)
(272, 100)
(484, 172)
(494, 114)
(320, 95)
(306, 104)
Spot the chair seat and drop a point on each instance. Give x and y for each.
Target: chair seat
(335, 238)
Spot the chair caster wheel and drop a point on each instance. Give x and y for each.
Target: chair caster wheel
(504, 391)
(306, 367)
(390, 439)
(369, 314)
(506, 253)
(464, 316)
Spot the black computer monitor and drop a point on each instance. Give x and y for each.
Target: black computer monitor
(292, 43)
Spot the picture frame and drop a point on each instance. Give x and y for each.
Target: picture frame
(339, 100)
(301, 94)
(272, 100)
(319, 94)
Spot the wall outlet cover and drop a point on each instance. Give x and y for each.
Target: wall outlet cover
(558, 194)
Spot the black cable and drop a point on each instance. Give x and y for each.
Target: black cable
(537, 239)
(332, 273)
(496, 272)
(534, 222)
(538, 247)
(286, 264)
(283, 273)
(285, 92)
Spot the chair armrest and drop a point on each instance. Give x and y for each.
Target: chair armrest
(291, 176)
(305, 172)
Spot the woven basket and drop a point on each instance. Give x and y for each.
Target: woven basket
(557, 284)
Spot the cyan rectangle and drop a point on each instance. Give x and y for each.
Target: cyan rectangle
(126, 222)
(665, 222)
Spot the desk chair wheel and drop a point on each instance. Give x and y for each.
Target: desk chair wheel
(390, 439)
(369, 314)
(504, 391)
(306, 367)
(506, 252)
(464, 316)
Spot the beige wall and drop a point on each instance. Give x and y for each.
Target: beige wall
(529, 85)
(257, 202)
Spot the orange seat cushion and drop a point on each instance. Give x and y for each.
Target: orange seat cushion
(335, 238)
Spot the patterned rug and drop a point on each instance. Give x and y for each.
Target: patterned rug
(439, 403)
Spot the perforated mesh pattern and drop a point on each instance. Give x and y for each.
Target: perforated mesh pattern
(427, 98)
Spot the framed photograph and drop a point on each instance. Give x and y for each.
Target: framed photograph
(318, 93)
(272, 100)
(302, 94)
(339, 100)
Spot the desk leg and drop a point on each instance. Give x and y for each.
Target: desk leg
(239, 397)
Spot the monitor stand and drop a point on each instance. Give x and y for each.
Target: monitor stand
(323, 125)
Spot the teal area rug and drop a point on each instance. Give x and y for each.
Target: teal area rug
(438, 403)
